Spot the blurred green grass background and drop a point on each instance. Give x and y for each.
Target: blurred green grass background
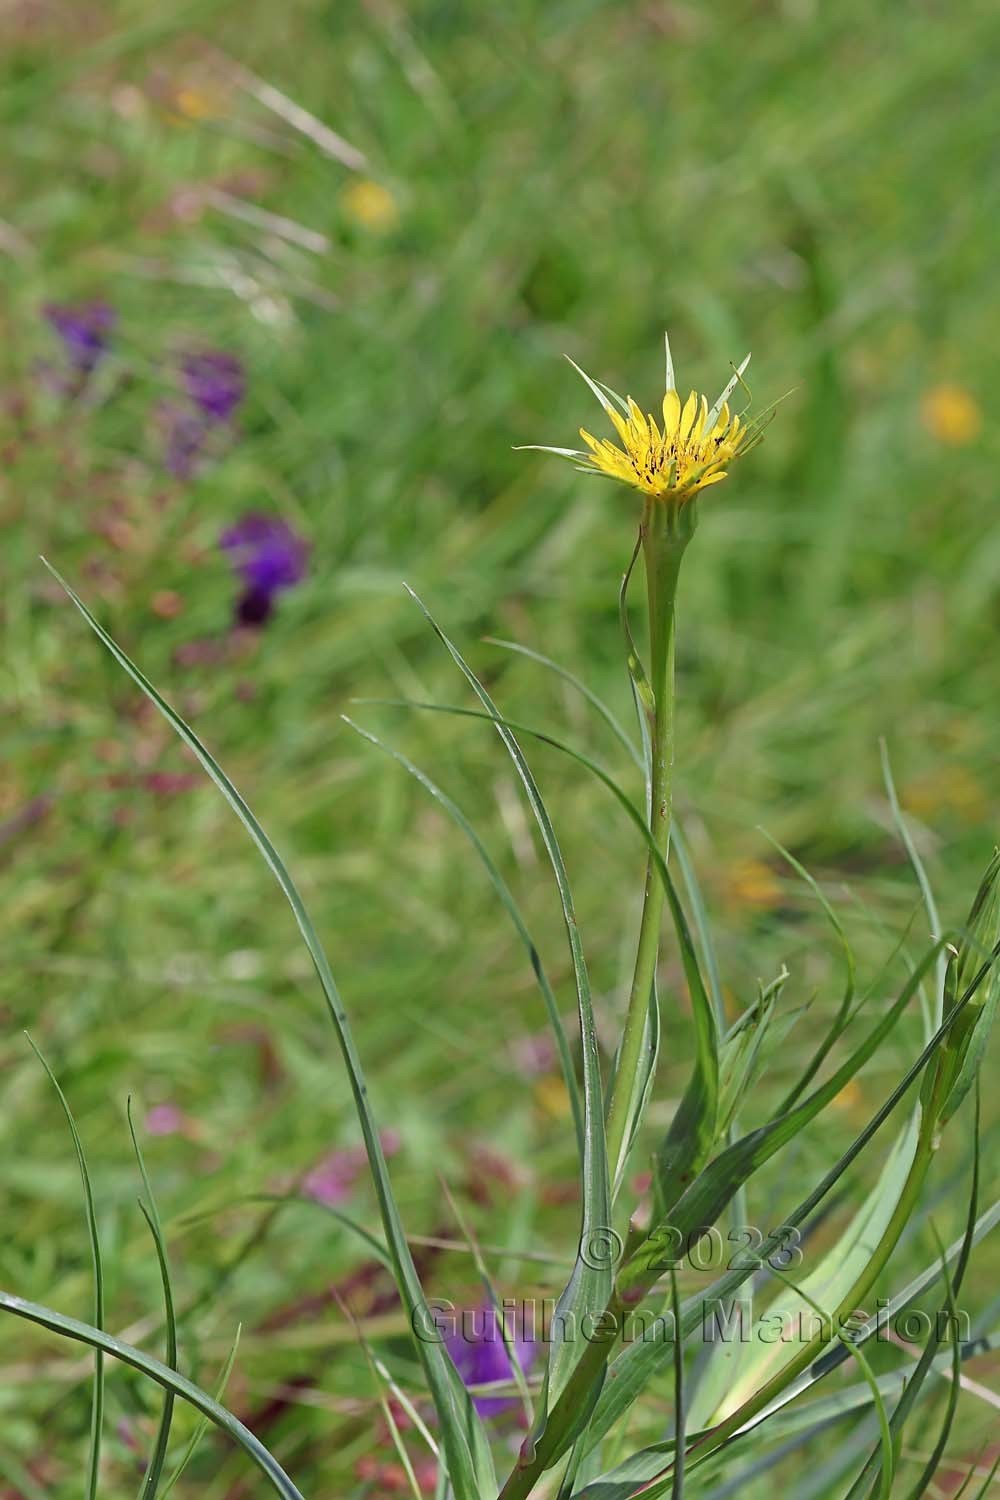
(509, 184)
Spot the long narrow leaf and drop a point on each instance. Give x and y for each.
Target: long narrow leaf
(595, 701)
(201, 1426)
(513, 911)
(933, 920)
(470, 1462)
(97, 1403)
(589, 1287)
(170, 1380)
(843, 1014)
(154, 1468)
(952, 1288)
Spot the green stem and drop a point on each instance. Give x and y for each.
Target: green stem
(664, 538)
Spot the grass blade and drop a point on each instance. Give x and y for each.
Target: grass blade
(202, 1426)
(589, 1287)
(154, 1468)
(384, 1404)
(170, 1380)
(680, 1410)
(97, 1403)
(513, 911)
(934, 921)
(843, 1015)
(470, 1462)
(596, 702)
(952, 1289)
(482, 1271)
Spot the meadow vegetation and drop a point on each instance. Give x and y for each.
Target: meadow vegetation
(392, 220)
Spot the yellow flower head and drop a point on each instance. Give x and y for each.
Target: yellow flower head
(693, 448)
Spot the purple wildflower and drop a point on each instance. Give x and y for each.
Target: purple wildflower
(215, 382)
(480, 1356)
(269, 556)
(85, 329)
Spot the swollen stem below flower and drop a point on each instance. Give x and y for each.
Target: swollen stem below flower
(665, 532)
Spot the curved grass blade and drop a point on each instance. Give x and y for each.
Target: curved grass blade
(513, 911)
(482, 1271)
(934, 921)
(696, 900)
(170, 1380)
(680, 1408)
(151, 1479)
(201, 1426)
(384, 1404)
(987, 1483)
(371, 1241)
(97, 1403)
(651, 1037)
(470, 1461)
(154, 1468)
(596, 702)
(843, 1015)
(952, 1288)
(589, 1287)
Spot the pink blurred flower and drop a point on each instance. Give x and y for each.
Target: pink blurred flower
(330, 1181)
(164, 1119)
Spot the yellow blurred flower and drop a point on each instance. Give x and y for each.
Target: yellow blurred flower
(953, 789)
(850, 1097)
(551, 1097)
(951, 414)
(751, 884)
(370, 204)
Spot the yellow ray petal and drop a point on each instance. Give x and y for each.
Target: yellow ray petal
(671, 413)
(723, 421)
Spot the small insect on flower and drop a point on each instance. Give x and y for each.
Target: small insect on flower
(692, 450)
